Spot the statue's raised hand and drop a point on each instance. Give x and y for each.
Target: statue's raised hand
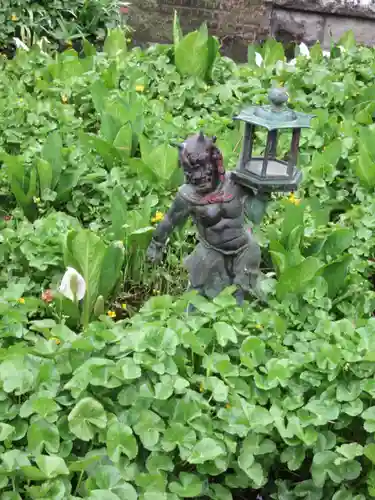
(154, 252)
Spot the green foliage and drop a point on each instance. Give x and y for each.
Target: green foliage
(59, 20)
(150, 407)
(166, 405)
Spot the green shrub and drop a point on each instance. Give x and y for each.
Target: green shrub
(61, 20)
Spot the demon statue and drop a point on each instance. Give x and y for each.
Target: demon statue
(227, 253)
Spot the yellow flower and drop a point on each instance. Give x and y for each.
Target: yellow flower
(21, 300)
(69, 43)
(57, 341)
(36, 200)
(128, 40)
(227, 406)
(124, 306)
(64, 99)
(292, 198)
(139, 88)
(201, 388)
(159, 216)
(111, 314)
(14, 17)
(259, 326)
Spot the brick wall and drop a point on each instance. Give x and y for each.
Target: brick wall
(236, 22)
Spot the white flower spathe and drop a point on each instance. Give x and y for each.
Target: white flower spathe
(73, 285)
(258, 59)
(20, 45)
(304, 50)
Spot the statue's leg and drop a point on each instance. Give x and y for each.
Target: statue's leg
(240, 296)
(207, 273)
(247, 269)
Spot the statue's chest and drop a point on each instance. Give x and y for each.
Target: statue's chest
(227, 208)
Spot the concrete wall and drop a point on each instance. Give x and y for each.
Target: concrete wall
(323, 20)
(240, 22)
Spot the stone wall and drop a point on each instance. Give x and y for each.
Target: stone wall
(240, 22)
(323, 20)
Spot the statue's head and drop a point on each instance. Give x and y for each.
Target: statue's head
(202, 162)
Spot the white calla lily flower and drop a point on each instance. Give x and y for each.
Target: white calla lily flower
(73, 285)
(20, 45)
(258, 59)
(304, 50)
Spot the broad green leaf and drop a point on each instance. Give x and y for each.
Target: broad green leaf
(103, 495)
(205, 450)
(189, 486)
(162, 159)
(52, 466)
(99, 94)
(129, 369)
(191, 53)
(323, 465)
(369, 452)
(335, 274)
(148, 428)
(111, 267)
(348, 40)
(124, 140)
(225, 333)
(338, 241)
(252, 352)
(295, 279)
(109, 127)
(364, 166)
(164, 388)
(293, 456)
(350, 451)
(115, 44)
(87, 416)
(218, 388)
(6, 431)
(219, 492)
(45, 175)
(273, 51)
(120, 440)
(158, 462)
(101, 147)
(52, 154)
(118, 212)
(13, 460)
(43, 435)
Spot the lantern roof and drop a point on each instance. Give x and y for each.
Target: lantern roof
(275, 115)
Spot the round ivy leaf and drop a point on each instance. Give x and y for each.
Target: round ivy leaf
(87, 415)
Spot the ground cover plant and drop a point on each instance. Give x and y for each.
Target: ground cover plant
(108, 390)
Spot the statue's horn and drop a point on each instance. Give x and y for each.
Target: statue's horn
(201, 136)
(214, 138)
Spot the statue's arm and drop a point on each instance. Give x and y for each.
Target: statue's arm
(176, 216)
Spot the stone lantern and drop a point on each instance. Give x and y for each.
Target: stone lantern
(267, 173)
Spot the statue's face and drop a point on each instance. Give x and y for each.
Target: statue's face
(197, 162)
(200, 174)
